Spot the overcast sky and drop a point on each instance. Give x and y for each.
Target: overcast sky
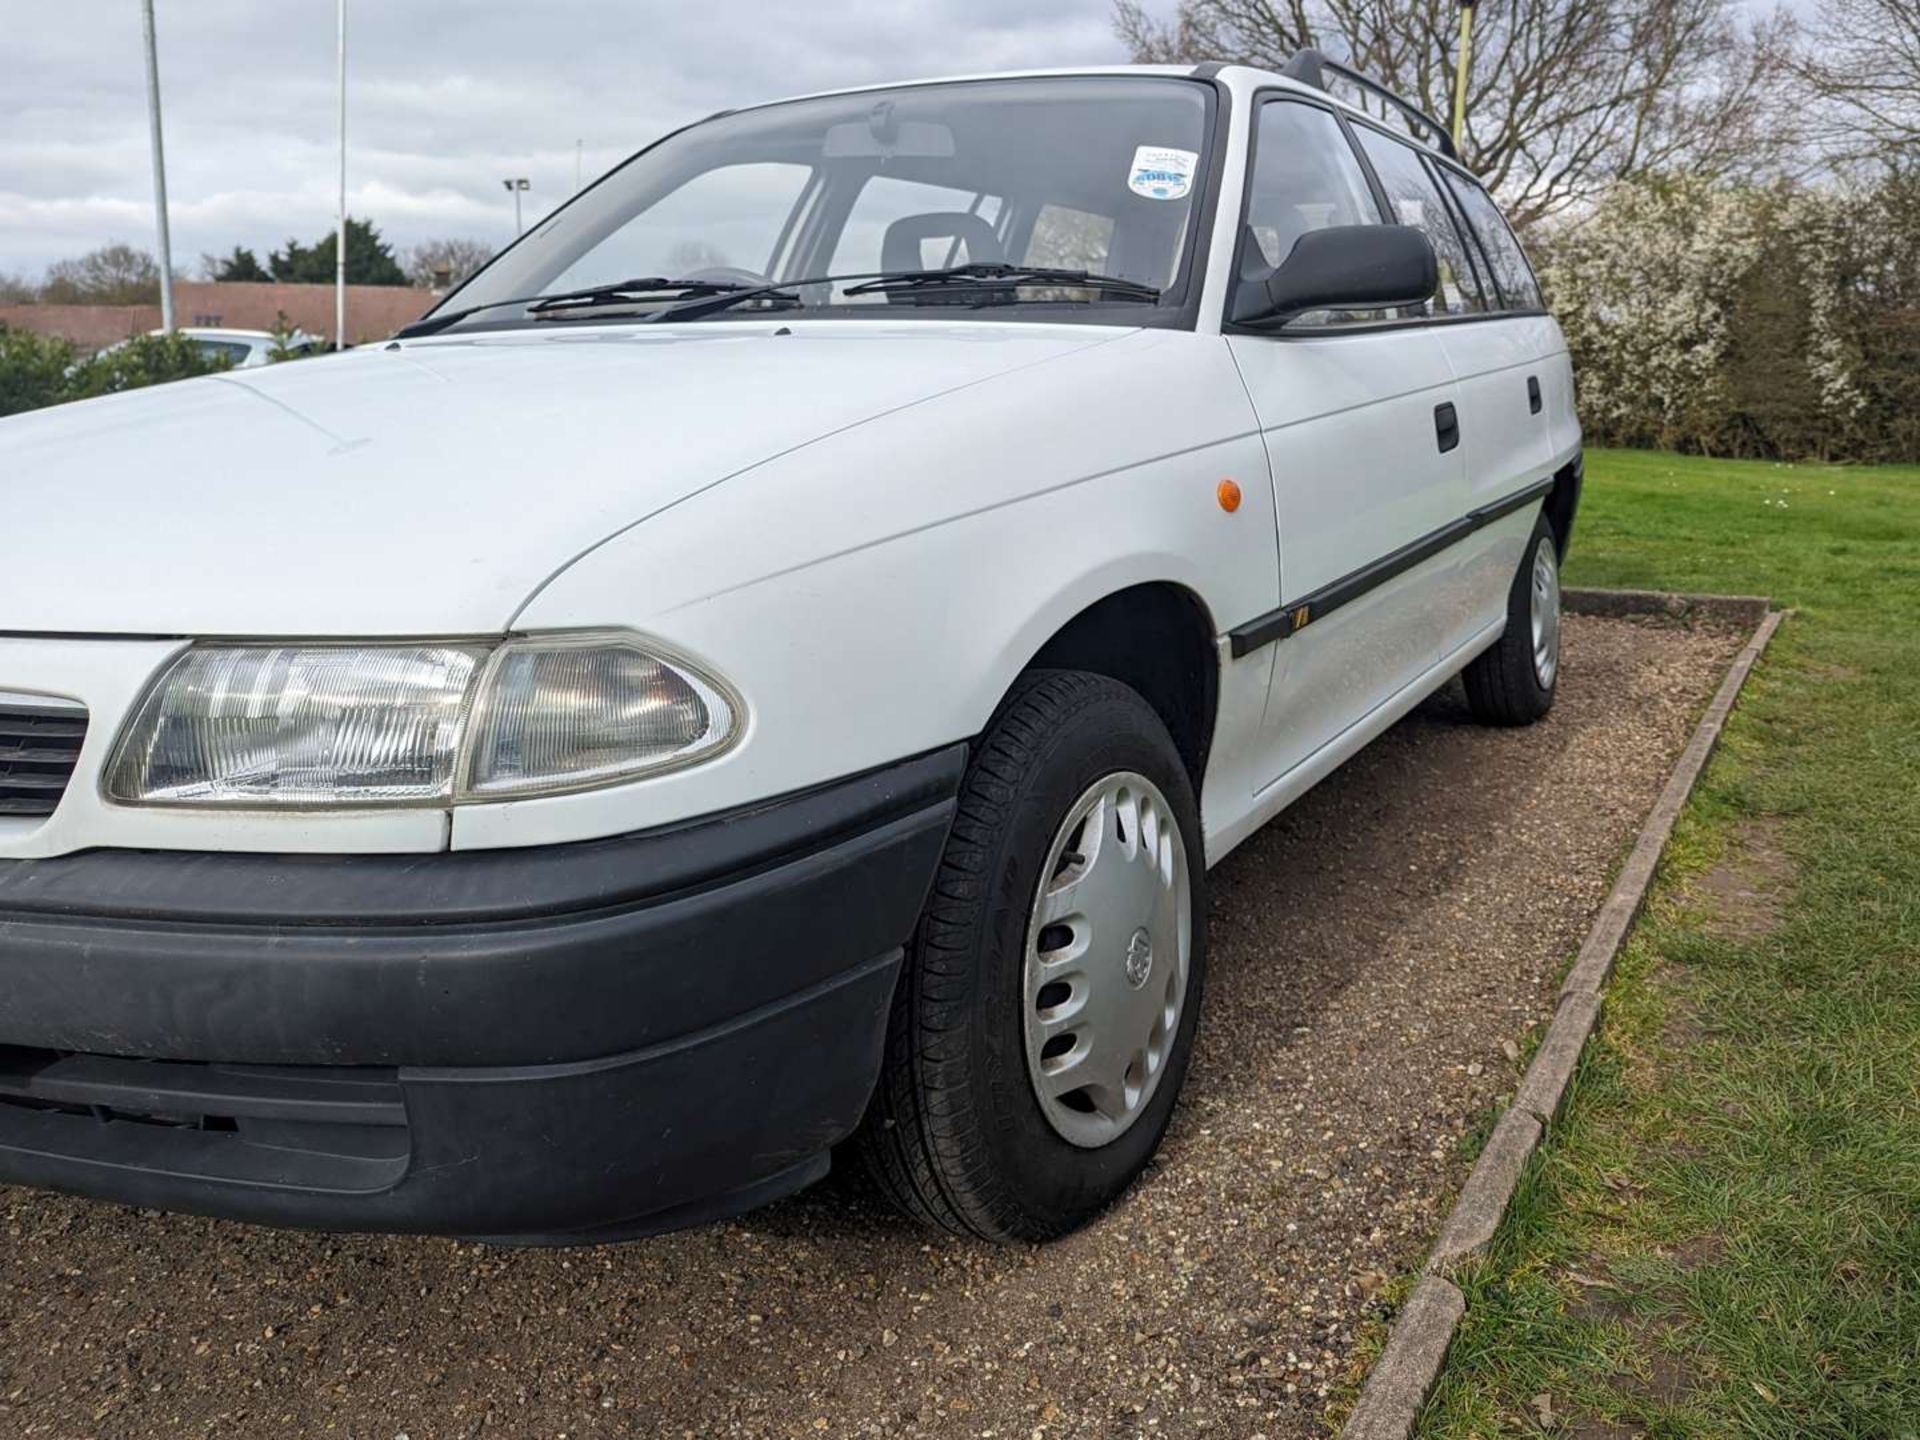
(445, 98)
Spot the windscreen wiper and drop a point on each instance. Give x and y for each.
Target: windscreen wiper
(643, 288)
(993, 277)
(710, 297)
(630, 291)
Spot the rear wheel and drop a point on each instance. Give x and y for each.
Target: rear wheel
(1043, 1024)
(1512, 681)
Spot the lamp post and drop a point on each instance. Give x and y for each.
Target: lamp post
(340, 230)
(517, 188)
(159, 169)
(1460, 74)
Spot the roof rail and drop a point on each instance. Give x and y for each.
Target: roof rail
(1310, 67)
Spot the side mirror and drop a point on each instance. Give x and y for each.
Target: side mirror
(1343, 267)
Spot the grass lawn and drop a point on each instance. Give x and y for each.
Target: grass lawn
(1722, 1234)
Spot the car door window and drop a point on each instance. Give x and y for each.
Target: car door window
(1416, 201)
(1304, 178)
(230, 352)
(1512, 276)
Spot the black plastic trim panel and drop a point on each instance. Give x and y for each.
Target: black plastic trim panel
(470, 958)
(705, 1125)
(466, 887)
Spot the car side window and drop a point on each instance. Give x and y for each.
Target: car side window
(1417, 202)
(231, 351)
(1512, 276)
(1304, 178)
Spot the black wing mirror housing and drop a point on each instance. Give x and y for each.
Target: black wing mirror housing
(1343, 267)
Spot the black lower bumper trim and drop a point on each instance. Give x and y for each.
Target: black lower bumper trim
(603, 1039)
(631, 1144)
(649, 944)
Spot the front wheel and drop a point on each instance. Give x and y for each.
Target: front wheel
(1043, 1024)
(1512, 681)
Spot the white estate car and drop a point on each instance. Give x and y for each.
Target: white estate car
(763, 669)
(243, 349)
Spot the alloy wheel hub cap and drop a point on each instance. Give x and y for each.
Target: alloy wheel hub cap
(1544, 610)
(1108, 945)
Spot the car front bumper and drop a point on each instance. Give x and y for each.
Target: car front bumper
(562, 1044)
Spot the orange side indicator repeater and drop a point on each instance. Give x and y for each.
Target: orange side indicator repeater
(1229, 496)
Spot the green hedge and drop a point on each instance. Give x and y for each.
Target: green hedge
(1776, 322)
(37, 370)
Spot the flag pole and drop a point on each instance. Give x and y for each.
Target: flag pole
(340, 232)
(159, 168)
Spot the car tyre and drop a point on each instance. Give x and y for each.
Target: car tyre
(959, 1133)
(1512, 681)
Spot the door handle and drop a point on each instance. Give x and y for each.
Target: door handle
(1533, 394)
(1446, 425)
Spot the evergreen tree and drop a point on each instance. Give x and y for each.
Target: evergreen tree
(369, 259)
(242, 264)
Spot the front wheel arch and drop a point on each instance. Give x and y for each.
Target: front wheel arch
(1158, 640)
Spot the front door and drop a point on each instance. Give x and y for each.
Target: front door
(1361, 429)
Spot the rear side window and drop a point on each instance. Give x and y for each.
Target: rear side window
(1417, 201)
(1511, 273)
(231, 351)
(1304, 178)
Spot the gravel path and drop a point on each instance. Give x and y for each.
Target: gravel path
(1375, 953)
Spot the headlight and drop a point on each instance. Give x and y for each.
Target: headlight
(272, 726)
(572, 713)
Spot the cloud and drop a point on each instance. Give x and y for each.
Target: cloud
(445, 97)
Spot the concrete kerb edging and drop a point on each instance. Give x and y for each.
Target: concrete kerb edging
(1595, 960)
(1408, 1366)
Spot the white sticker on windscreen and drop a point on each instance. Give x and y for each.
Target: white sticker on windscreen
(1160, 173)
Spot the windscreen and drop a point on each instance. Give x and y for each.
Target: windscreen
(1100, 174)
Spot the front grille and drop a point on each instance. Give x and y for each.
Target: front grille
(39, 744)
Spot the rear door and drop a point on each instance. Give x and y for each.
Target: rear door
(1495, 359)
(1516, 391)
(1358, 420)
(1514, 382)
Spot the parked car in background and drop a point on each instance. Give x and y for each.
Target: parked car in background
(247, 349)
(763, 669)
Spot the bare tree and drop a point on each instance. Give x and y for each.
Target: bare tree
(440, 264)
(1564, 96)
(115, 274)
(1865, 66)
(17, 289)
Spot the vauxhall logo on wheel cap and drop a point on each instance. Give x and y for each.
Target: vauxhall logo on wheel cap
(1139, 958)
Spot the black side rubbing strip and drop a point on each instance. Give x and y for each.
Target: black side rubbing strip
(1487, 514)
(1296, 615)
